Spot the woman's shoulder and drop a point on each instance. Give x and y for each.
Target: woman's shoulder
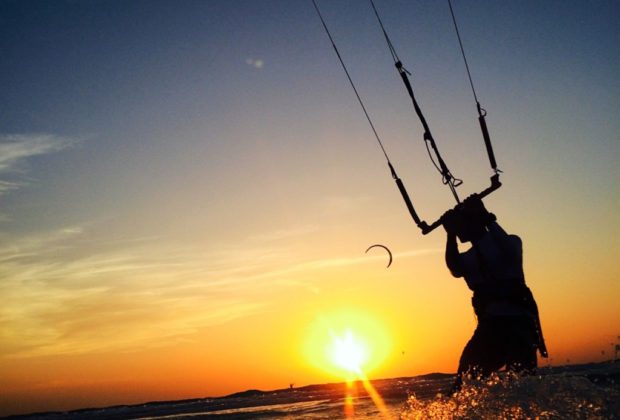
(515, 239)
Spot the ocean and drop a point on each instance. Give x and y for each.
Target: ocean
(590, 391)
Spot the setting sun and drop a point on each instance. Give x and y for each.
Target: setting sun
(348, 352)
(347, 343)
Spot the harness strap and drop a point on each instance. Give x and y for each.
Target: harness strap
(519, 295)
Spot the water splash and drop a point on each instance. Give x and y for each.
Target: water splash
(509, 396)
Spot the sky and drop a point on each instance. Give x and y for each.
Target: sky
(187, 188)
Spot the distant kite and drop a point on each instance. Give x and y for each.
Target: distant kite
(384, 247)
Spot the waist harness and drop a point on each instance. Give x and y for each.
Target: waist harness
(517, 293)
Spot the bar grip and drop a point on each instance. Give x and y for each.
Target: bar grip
(487, 141)
(495, 184)
(408, 202)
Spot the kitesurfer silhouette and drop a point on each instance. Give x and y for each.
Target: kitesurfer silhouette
(508, 331)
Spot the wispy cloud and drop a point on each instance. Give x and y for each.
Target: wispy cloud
(6, 186)
(16, 149)
(66, 292)
(56, 301)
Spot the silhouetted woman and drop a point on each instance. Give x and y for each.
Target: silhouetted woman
(508, 331)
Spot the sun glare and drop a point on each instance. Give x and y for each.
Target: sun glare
(348, 353)
(347, 344)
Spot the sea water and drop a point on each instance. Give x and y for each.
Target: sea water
(510, 396)
(571, 392)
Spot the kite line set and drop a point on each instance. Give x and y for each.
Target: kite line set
(447, 177)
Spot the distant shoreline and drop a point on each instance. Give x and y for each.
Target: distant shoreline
(395, 388)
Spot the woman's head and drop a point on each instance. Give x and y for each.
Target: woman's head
(469, 223)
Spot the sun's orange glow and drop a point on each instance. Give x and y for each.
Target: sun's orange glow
(347, 343)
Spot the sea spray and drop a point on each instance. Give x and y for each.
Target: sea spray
(509, 396)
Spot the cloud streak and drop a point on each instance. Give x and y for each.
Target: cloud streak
(60, 299)
(16, 149)
(57, 302)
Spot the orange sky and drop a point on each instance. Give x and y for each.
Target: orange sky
(423, 313)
